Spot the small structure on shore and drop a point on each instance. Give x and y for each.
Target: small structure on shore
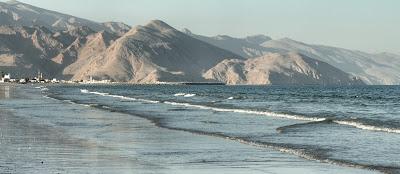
(6, 78)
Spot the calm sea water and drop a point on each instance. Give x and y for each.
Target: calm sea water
(358, 127)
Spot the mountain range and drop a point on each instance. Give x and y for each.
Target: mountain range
(373, 69)
(33, 39)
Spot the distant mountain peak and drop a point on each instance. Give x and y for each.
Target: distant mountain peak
(159, 25)
(223, 37)
(258, 39)
(290, 40)
(187, 31)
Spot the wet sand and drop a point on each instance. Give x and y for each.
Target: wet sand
(42, 135)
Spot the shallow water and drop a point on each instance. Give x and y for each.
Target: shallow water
(189, 129)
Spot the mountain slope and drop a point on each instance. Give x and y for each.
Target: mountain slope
(374, 69)
(93, 46)
(25, 50)
(279, 69)
(118, 28)
(152, 53)
(34, 39)
(246, 47)
(16, 13)
(371, 68)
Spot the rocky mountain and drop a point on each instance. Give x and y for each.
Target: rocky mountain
(16, 13)
(279, 69)
(246, 47)
(379, 69)
(152, 53)
(118, 28)
(33, 39)
(24, 51)
(374, 69)
(94, 46)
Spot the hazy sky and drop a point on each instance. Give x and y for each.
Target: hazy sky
(368, 25)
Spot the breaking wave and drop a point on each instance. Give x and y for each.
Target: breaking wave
(354, 124)
(271, 114)
(363, 126)
(184, 95)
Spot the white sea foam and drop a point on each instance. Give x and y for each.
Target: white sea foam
(266, 113)
(189, 95)
(118, 96)
(296, 117)
(179, 94)
(84, 91)
(272, 114)
(69, 101)
(44, 89)
(367, 127)
(100, 93)
(149, 101)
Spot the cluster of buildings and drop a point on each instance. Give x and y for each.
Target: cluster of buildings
(6, 78)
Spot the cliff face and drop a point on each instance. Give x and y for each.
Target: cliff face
(279, 69)
(152, 53)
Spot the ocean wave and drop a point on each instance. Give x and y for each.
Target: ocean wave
(363, 126)
(303, 151)
(284, 129)
(179, 94)
(184, 95)
(84, 91)
(51, 98)
(189, 95)
(272, 114)
(118, 96)
(354, 124)
(69, 101)
(308, 152)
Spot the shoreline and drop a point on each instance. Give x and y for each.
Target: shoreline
(145, 127)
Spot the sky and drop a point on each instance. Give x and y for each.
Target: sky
(367, 25)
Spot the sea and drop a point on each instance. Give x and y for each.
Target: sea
(125, 128)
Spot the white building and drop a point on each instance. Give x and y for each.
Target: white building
(6, 78)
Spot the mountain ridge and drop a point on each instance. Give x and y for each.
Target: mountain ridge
(374, 69)
(17, 13)
(34, 39)
(280, 69)
(148, 54)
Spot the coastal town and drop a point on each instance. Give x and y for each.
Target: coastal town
(39, 78)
